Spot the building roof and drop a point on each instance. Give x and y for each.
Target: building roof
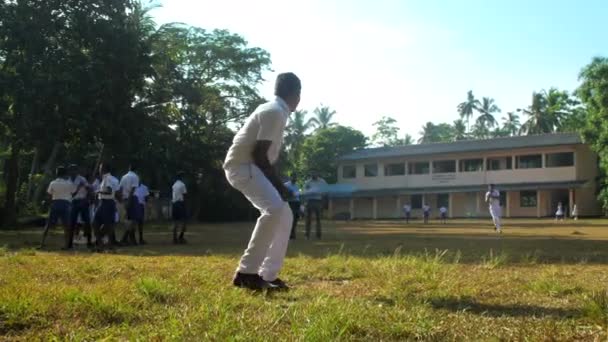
(466, 188)
(542, 140)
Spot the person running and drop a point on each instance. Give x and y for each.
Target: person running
(407, 211)
(60, 190)
(105, 215)
(493, 200)
(250, 168)
(141, 193)
(294, 203)
(179, 208)
(80, 205)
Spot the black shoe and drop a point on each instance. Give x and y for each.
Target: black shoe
(279, 284)
(182, 241)
(252, 282)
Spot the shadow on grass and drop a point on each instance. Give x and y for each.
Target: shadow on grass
(470, 305)
(471, 241)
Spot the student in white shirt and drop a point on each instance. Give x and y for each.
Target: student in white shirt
(574, 212)
(559, 214)
(179, 208)
(141, 193)
(128, 183)
(60, 190)
(493, 200)
(407, 211)
(80, 204)
(250, 168)
(443, 213)
(294, 203)
(314, 190)
(426, 212)
(105, 215)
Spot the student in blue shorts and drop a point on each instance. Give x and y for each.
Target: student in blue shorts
(105, 215)
(60, 190)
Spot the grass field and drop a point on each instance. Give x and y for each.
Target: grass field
(369, 281)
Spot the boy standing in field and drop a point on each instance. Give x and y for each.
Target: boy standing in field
(128, 183)
(426, 212)
(493, 200)
(179, 208)
(443, 213)
(105, 215)
(250, 168)
(60, 190)
(407, 210)
(80, 204)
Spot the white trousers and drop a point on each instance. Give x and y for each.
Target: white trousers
(268, 245)
(495, 212)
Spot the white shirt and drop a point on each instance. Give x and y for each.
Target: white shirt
(560, 210)
(314, 189)
(109, 181)
(82, 193)
(141, 192)
(179, 190)
(266, 123)
(443, 210)
(426, 208)
(493, 198)
(95, 185)
(128, 182)
(407, 208)
(294, 189)
(61, 189)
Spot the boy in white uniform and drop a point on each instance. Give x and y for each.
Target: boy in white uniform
(493, 200)
(178, 208)
(60, 190)
(128, 212)
(426, 213)
(105, 215)
(407, 211)
(443, 212)
(249, 168)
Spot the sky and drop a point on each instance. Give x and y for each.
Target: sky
(411, 60)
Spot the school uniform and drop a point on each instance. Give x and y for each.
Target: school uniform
(80, 202)
(268, 245)
(106, 212)
(559, 214)
(178, 204)
(426, 212)
(443, 212)
(314, 190)
(295, 205)
(407, 211)
(61, 191)
(140, 194)
(128, 182)
(493, 200)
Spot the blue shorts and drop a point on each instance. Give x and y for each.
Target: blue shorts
(80, 207)
(179, 211)
(60, 210)
(136, 212)
(106, 212)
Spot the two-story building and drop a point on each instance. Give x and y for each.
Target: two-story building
(534, 173)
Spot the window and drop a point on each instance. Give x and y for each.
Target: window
(443, 200)
(533, 161)
(559, 159)
(394, 169)
(371, 170)
(416, 201)
(444, 166)
(420, 168)
(500, 163)
(349, 171)
(527, 199)
(471, 165)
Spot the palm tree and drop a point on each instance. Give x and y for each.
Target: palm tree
(511, 124)
(466, 108)
(428, 134)
(408, 140)
(323, 116)
(480, 131)
(548, 109)
(486, 112)
(296, 129)
(459, 130)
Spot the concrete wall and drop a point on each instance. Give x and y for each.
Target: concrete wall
(363, 208)
(586, 202)
(387, 207)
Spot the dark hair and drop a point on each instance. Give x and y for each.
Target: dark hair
(61, 171)
(287, 84)
(132, 167)
(180, 175)
(106, 168)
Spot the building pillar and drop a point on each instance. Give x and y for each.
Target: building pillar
(375, 208)
(538, 203)
(571, 201)
(543, 162)
(508, 204)
(330, 209)
(351, 208)
(478, 205)
(450, 211)
(398, 212)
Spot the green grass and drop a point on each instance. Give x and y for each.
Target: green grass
(365, 281)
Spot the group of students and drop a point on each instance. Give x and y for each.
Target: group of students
(426, 213)
(308, 202)
(99, 203)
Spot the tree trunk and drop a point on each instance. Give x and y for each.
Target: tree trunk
(30, 183)
(9, 212)
(47, 172)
